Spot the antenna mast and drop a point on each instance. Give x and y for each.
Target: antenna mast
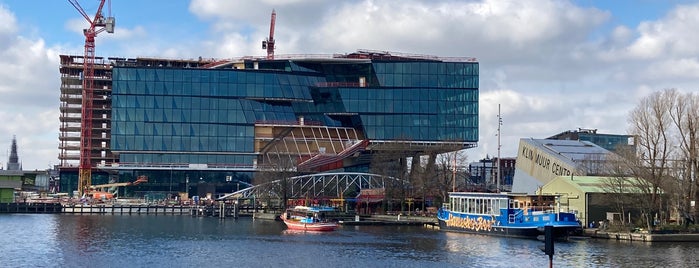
(498, 164)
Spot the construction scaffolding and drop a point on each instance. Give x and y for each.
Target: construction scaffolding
(71, 111)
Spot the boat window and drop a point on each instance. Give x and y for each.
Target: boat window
(456, 204)
(489, 206)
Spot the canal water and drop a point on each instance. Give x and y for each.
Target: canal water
(54, 240)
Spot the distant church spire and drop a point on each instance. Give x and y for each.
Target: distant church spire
(13, 164)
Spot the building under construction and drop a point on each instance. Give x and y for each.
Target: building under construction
(207, 126)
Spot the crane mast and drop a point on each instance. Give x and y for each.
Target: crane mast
(97, 24)
(269, 43)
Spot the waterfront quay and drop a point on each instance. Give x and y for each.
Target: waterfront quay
(640, 236)
(128, 209)
(30, 208)
(221, 210)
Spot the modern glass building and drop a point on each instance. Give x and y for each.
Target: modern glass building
(610, 142)
(218, 124)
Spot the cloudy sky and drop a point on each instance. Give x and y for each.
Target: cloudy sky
(551, 65)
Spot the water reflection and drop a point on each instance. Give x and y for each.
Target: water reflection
(182, 241)
(20, 246)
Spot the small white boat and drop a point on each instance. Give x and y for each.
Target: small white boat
(308, 219)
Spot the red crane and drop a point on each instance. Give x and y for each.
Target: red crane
(98, 24)
(269, 43)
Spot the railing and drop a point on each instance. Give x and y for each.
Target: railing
(337, 84)
(286, 123)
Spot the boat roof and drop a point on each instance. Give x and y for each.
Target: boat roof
(314, 208)
(494, 195)
(605, 184)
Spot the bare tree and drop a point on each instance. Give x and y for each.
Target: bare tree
(448, 175)
(650, 122)
(390, 159)
(685, 116)
(619, 186)
(431, 172)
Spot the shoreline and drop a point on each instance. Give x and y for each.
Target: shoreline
(639, 237)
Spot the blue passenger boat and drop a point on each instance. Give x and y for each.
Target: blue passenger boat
(506, 214)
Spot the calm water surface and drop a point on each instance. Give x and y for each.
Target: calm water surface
(181, 241)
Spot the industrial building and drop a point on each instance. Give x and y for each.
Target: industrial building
(207, 126)
(610, 142)
(539, 161)
(589, 197)
(573, 166)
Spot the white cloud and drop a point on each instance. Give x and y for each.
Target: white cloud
(552, 65)
(29, 83)
(673, 35)
(8, 22)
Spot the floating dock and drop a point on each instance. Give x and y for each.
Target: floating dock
(119, 209)
(390, 220)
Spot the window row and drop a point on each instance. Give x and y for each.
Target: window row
(194, 103)
(412, 94)
(206, 89)
(423, 80)
(187, 158)
(183, 130)
(421, 133)
(215, 76)
(481, 205)
(428, 121)
(431, 68)
(181, 143)
(414, 107)
(198, 116)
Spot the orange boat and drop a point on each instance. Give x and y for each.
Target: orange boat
(308, 219)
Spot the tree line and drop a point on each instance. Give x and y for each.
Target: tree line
(659, 174)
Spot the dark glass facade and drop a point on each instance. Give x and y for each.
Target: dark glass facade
(418, 101)
(611, 142)
(207, 116)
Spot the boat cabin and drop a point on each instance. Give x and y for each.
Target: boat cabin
(495, 203)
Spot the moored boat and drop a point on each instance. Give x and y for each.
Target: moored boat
(506, 214)
(308, 218)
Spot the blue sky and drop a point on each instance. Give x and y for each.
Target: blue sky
(553, 65)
